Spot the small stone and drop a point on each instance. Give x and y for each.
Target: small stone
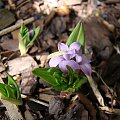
(24, 66)
(15, 34)
(6, 18)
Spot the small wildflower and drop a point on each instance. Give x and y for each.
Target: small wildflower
(71, 56)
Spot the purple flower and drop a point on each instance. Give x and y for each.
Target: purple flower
(73, 57)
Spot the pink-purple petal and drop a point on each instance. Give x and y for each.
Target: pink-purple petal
(55, 61)
(78, 58)
(71, 63)
(68, 56)
(86, 68)
(74, 46)
(85, 59)
(62, 47)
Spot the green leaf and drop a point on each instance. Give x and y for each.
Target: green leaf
(79, 82)
(10, 92)
(3, 90)
(77, 35)
(12, 100)
(71, 75)
(55, 70)
(12, 82)
(45, 75)
(61, 87)
(36, 33)
(24, 39)
(23, 30)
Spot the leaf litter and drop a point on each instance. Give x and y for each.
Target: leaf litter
(101, 40)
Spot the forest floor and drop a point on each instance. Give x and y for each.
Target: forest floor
(57, 18)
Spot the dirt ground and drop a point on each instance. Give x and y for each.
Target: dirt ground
(57, 18)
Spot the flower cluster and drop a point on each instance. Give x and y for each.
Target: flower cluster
(73, 57)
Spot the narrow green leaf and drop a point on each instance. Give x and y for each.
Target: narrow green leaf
(2, 89)
(46, 76)
(62, 87)
(12, 82)
(79, 82)
(26, 39)
(23, 30)
(71, 75)
(36, 33)
(77, 35)
(58, 78)
(10, 92)
(73, 36)
(12, 100)
(55, 70)
(81, 37)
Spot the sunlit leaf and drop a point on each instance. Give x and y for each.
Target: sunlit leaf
(77, 35)
(71, 75)
(79, 82)
(46, 76)
(61, 87)
(3, 90)
(25, 41)
(11, 92)
(36, 33)
(12, 82)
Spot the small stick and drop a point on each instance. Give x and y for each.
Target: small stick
(96, 91)
(16, 26)
(27, 21)
(35, 100)
(22, 3)
(112, 2)
(110, 110)
(88, 105)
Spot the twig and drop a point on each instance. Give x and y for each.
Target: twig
(35, 100)
(22, 3)
(95, 90)
(12, 109)
(16, 26)
(27, 21)
(103, 81)
(112, 2)
(87, 105)
(110, 110)
(49, 17)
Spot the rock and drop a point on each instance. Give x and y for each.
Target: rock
(111, 70)
(60, 111)
(6, 45)
(24, 66)
(97, 38)
(58, 25)
(28, 115)
(56, 106)
(15, 34)
(6, 18)
(111, 73)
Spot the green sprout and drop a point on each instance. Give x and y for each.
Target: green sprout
(77, 35)
(27, 38)
(10, 91)
(70, 82)
(63, 77)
